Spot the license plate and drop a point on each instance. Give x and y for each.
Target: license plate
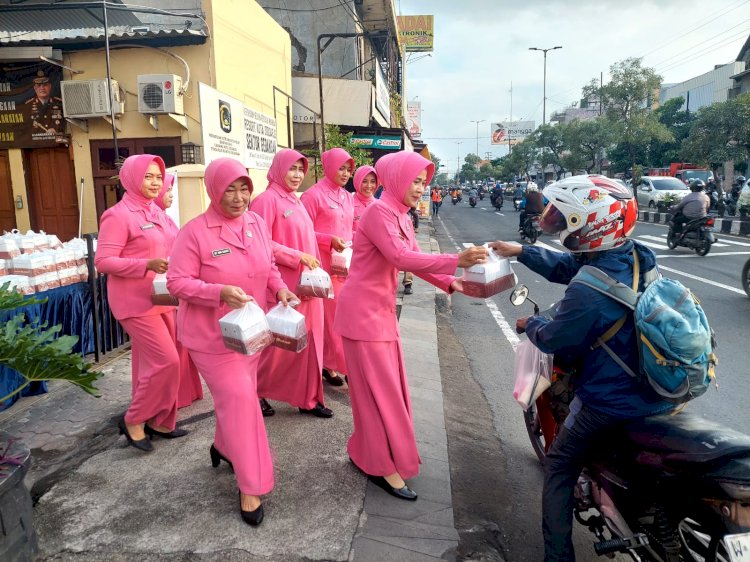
(738, 547)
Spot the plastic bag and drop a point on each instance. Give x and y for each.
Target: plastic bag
(315, 283)
(532, 370)
(484, 280)
(287, 327)
(160, 295)
(341, 262)
(245, 329)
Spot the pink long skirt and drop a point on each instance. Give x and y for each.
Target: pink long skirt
(240, 432)
(333, 350)
(190, 388)
(383, 441)
(295, 378)
(155, 370)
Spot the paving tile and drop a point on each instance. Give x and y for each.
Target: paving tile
(370, 550)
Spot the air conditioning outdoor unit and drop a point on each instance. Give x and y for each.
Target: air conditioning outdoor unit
(88, 98)
(160, 93)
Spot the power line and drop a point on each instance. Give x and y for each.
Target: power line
(301, 10)
(690, 58)
(697, 45)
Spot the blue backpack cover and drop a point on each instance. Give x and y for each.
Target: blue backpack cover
(675, 343)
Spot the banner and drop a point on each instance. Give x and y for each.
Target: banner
(375, 141)
(31, 114)
(414, 118)
(229, 129)
(513, 131)
(416, 33)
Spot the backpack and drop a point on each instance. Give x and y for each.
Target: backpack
(675, 343)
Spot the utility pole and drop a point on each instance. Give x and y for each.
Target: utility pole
(458, 159)
(544, 83)
(477, 122)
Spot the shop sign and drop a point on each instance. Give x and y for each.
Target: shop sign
(416, 33)
(382, 93)
(31, 112)
(376, 141)
(414, 118)
(229, 129)
(511, 131)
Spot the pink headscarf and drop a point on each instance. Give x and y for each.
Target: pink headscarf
(219, 174)
(397, 172)
(281, 164)
(168, 181)
(132, 173)
(333, 159)
(359, 177)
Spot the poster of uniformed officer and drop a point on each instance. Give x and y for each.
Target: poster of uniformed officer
(31, 110)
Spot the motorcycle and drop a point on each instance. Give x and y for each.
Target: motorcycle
(517, 202)
(669, 488)
(455, 199)
(473, 201)
(696, 234)
(746, 277)
(481, 195)
(531, 229)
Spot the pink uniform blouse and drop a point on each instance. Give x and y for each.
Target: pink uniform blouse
(208, 255)
(127, 241)
(332, 212)
(386, 244)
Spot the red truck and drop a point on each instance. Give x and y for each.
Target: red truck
(683, 171)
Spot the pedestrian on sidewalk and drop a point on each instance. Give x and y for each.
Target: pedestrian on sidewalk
(437, 200)
(135, 241)
(365, 184)
(223, 259)
(331, 209)
(190, 388)
(383, 445)
(294, 378)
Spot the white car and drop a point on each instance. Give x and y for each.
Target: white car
(652, 189)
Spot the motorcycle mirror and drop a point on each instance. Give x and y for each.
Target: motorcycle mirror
(519, 295)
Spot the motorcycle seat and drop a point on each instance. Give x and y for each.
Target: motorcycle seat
(687, 439)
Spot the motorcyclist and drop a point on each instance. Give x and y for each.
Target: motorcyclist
(694, 205)
(497, 194)
(472, 193)
(531, 204)
(739, 181)
(594, 217)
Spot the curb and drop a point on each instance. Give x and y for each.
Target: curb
(734, 226)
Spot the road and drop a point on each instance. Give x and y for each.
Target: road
(496, 477)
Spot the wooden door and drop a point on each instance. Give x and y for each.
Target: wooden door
(7, 208)
(53, 198)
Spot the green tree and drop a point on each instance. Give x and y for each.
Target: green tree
(469, 170)
(37, 352)
(720, 132)
(587, 142)
(521, 159)
(550, 140)
(627, 100)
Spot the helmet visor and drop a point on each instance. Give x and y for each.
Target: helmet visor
(552, 221)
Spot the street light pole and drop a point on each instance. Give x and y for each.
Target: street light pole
(458, 160)
(477, 122)
(544, 86)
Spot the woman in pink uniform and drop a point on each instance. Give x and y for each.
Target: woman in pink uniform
(190, 388)
(294, 378)
(332, 212)
(135, 240)
(383, 444)
(222, 259)
(365, 184)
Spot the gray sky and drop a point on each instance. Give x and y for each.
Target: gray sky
(481, 46)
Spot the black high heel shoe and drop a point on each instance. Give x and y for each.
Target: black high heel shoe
(254, 517)
(174, 434)
(140, 444)
(404, 493)
(217, 457)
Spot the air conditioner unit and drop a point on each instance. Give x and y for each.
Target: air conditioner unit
(160, 93)
(88, 98)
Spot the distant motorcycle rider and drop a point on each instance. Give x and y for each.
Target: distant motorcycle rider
(531, 204)
(694, 205)
(594, 217)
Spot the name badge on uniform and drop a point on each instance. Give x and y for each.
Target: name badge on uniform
(222, 252)
(249, 233)
(147, 226)
(288, 212)
(333, 206)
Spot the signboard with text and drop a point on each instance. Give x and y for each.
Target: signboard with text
(229, 129)
(31, 113)
(414, 118)
(376, 141)
(382, 93)
(511, 131)
(416, 33)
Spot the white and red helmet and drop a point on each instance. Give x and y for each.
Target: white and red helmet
(591, 213)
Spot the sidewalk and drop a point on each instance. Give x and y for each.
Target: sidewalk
(101, 500)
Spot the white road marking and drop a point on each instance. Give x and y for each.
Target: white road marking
(702, 279)
(502, 215)
(710, 255)
(508, 331)
(653, 245)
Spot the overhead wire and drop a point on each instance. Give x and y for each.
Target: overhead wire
(697, 45)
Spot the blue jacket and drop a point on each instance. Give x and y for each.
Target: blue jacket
(585, 314)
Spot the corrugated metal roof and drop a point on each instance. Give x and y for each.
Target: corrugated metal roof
(52, 22)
